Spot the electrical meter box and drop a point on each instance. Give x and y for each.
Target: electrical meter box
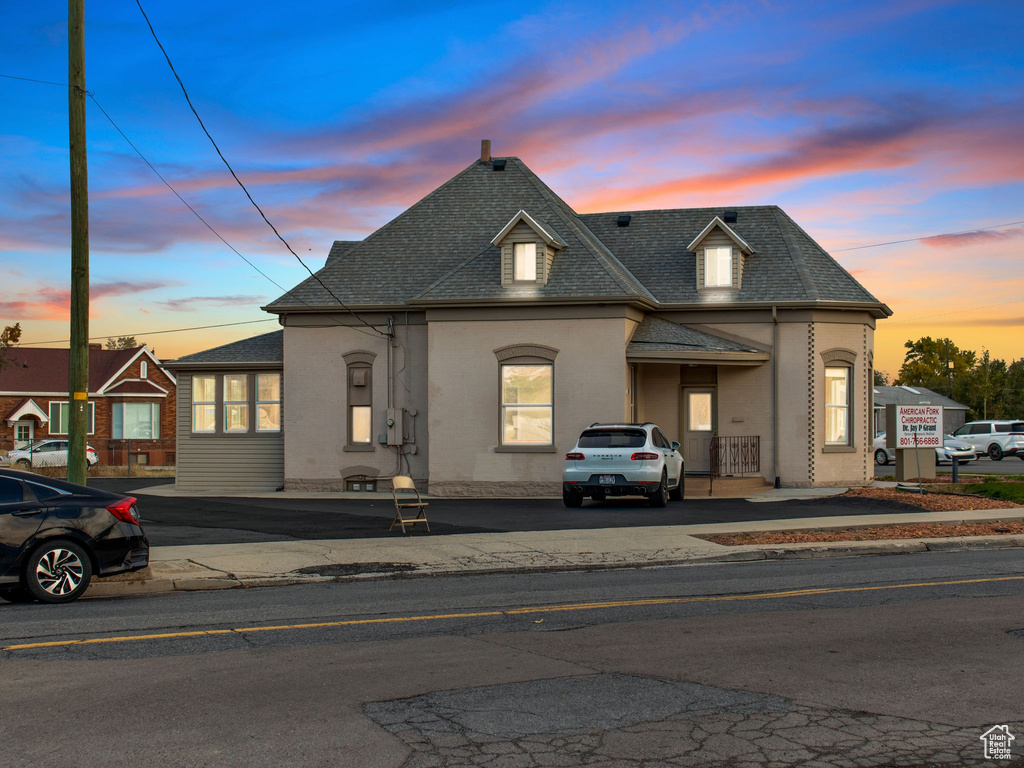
(396, 426)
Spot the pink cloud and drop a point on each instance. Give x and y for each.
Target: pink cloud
(52, 303)
(973, 238)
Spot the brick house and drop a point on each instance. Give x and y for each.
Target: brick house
(132, 402)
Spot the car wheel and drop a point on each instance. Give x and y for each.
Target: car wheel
(660, 497)
(571, 498)
(676, 494)
(23, 464)
(58, 572)
(995, 452)
(599, 495)
(16, 595)
(881, 457)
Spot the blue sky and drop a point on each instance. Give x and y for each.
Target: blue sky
(867, 122)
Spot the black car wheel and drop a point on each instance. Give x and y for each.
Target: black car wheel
(995, 452)
(676, 494)
(660, 497)
(571, 498)
(23, 464)
(58, 572)
(881, 457)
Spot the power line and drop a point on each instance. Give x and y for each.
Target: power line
(173, 190)
(928, 237)
(912, 320)
(239, 181)
(153, 333)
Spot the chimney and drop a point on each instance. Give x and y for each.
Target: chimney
(96, 345)
(485, 150)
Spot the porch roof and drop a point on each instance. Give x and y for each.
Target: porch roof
(661, 340)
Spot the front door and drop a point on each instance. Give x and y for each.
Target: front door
(23, 432)
(698, 427)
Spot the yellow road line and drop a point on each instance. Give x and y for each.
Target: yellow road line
(812, 591)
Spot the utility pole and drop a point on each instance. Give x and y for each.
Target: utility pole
(78, 368)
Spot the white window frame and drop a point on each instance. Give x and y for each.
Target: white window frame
(204, 402)
(248, 416)
(504, 406)
(54, 424)
(154, 421)
(144, 370)
(529, 263)
(846, 408)
(714, 252)
(260, 402)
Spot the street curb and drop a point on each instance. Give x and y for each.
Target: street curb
(102, 589)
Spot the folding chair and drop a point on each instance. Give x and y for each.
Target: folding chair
(405, 483)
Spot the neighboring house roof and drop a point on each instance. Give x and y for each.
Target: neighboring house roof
(264, 349)
(657, 334)
(441, 250)
(36, 370)
(27, 407)
(913, 396)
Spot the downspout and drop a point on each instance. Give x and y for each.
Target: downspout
(391, 344)
(775, 394)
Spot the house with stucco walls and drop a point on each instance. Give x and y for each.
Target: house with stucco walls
(469, 341)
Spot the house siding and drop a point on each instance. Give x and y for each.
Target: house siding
(249, 462)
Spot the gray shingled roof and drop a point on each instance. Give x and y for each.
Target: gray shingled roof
(903, 396)
(655, 333)
(340, 248)
(440, 249)
(266, 348)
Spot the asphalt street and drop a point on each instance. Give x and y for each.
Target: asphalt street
(843, 662)
(180, 521)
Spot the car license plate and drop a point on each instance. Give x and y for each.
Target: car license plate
(606, 480)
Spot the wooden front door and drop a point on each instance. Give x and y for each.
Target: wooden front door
(698, 427)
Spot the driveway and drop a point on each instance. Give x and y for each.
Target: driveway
(187, 520)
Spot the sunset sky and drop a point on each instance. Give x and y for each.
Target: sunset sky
(868, 122)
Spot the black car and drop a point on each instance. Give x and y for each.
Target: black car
(55, 535)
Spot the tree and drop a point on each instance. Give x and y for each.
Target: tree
(881, 379)
(985, 389)
(925, 364)
(10, 336)
(122, 342)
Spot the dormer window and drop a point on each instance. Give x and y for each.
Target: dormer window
(721, 254)
(525, 262)
(527, 251)
(718, 266)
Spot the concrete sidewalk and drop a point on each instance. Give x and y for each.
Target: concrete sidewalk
(224, 566)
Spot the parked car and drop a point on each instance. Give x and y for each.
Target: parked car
(55, 535)
(623, 460)
(47, 453)
(996, 438)
(952, 448)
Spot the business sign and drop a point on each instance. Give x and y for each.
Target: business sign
(919, 426)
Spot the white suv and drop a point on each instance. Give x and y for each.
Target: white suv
(996, 438)
(623, 460)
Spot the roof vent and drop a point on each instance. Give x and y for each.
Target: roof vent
(623, 221)
(910, 389)
(729, 217)
(499, 165)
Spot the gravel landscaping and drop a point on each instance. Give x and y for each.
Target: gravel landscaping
(884, 532)
(933, 502)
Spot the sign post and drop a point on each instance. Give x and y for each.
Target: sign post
(915, 431)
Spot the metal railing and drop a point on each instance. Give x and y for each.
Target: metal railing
(736, 455)
(108, 458)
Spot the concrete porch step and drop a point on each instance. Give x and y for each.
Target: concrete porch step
(725, 487)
